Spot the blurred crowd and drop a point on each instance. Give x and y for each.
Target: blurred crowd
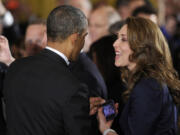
(19, 24)
(27, 33)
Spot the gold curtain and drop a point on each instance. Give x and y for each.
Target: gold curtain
(41, 8)
(110, 2)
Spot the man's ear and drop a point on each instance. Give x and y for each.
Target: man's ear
(73, 38)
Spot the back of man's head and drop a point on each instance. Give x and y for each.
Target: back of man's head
(64, 21)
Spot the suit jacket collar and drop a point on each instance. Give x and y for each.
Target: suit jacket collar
(52, 55)
(59, 53)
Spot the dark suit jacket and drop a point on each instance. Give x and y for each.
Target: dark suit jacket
(44, 98)
(149, 111)
(86, 71)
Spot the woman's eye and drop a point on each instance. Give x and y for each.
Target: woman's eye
(124, 39)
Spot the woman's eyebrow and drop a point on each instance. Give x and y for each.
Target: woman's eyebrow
(122, 35)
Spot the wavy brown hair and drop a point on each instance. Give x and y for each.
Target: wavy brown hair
(151, 55)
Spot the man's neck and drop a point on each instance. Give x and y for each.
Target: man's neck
(61, 47)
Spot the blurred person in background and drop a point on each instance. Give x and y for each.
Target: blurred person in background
(6, 18)
(174, 44)
(126, 7)
(6, 21)
(133, 4)
(18, 49)
(170, 30)
(84, 5)
(99, 21)
(114, 28)
(123, 8)
(169, 27)
(6, 59)
(15, 32)
(146, 11)
(170, 7)
(35, 37)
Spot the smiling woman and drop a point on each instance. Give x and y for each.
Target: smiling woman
(153, 88)
(122, 50)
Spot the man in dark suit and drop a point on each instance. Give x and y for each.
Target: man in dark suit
(42, 96)
(87, 72)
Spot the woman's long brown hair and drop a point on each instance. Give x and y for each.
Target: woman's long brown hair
(151, 55)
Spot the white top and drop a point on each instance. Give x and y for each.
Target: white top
(58, 53)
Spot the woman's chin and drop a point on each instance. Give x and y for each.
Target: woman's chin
(117, 64)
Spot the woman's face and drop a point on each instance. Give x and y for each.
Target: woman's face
(123, 50)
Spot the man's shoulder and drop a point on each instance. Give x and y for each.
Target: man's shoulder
(24, 61)
(86, 62)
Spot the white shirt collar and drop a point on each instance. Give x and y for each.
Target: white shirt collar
(58, 53)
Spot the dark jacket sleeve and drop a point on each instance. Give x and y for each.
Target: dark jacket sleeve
(76, 113)
(87, 72)
(145, 106)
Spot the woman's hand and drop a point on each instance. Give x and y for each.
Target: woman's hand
(103, 123)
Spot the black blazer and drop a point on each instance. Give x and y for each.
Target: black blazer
(149, 111)
(44, 98)
(87, 72)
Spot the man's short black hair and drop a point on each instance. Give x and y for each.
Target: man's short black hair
(64, 21)
(146, 9)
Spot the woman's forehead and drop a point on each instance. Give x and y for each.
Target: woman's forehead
(123, 31)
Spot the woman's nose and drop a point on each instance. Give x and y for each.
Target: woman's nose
(115, 43)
